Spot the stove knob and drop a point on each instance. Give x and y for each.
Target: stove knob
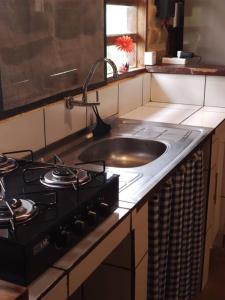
(62, 239)
(104, 209)
(92, 217)
(79, 227)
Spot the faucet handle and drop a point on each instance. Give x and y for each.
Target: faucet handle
(71, 102)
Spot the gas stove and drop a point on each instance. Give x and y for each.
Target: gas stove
(45, 209)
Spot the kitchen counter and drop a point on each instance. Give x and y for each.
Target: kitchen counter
(191, 115)
(61, 280)
(188, 70)
(180, 142)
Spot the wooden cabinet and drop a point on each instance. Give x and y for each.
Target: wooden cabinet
(108, 282)
(140, 227)
(215, 227)
(217, 178)
(124, 272)
(141, 277)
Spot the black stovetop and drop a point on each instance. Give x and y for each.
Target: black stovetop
(55, 205)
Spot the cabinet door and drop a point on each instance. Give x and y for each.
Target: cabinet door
(140, 227)
(141, 276)
(108, 283)
(211, 198)
(219, 209)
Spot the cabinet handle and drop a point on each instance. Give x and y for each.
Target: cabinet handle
(215, 192)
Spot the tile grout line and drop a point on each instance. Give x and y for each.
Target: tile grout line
(191, 115)
(204, 91)
(44, 118)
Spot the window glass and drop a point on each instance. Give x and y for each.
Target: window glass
(120, 19)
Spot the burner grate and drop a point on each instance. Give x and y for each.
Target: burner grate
(9, 164)
(60, 175)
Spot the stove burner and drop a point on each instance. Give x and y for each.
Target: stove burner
(64, 177)
(3, 159)
(17, 211)
(7, 164)
(63, 174)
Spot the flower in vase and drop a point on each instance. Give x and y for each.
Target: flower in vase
(126, 45)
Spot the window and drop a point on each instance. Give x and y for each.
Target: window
(121, 20)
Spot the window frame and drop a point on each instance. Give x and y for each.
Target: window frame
(140, 37)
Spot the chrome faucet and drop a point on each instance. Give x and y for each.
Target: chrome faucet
(71, 102)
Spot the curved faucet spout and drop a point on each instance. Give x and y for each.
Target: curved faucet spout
(71, 102)
(92, 71)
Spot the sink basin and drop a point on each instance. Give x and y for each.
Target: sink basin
(123, 152)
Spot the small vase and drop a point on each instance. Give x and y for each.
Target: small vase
(125, 65)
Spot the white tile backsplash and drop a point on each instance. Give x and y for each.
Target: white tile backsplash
(173, 97)
(108, 98)
(184, 89)
(146, 88)
(24, 131)
(61, 122)
(215, 91)
(130, 94)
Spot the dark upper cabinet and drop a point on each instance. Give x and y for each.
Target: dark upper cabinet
(47, 47)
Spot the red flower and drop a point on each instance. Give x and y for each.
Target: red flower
(125, 43)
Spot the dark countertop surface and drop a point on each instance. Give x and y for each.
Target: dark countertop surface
(198, 69)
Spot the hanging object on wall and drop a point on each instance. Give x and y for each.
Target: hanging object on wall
(165, 9)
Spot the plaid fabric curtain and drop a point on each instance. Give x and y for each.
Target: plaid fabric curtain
(176, 231)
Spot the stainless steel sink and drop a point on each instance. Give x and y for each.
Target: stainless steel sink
(121, 152)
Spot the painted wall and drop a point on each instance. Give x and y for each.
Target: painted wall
(204, 29)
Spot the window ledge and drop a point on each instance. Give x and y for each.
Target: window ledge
(131, 73)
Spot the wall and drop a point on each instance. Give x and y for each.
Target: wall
(41, 127)
(156, 33)
(204, 29)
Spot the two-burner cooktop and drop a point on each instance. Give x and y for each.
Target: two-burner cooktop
(45, 209)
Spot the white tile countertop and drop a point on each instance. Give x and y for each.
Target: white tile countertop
(158, 114)
(204, 118)
(192, 115)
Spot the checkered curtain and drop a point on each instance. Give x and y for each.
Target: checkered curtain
(176, 231)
